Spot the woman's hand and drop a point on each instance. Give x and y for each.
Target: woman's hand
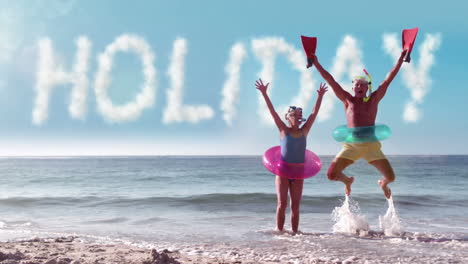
(260, 86)
(323, 89)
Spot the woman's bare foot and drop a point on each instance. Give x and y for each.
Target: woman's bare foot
(296, 233)
(387, 192)
(348, 183)
(278, 232)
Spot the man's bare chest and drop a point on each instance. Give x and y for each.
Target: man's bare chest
(360, 108)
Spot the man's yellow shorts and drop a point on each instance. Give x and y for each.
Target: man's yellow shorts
(369, 151)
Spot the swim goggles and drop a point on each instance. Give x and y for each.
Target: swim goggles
(293, 108)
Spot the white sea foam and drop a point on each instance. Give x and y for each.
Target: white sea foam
(348, 218)
(390, 223)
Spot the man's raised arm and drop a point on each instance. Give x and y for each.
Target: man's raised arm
(336, 87)
(380, 92)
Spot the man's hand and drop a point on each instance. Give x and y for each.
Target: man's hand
(402, 55)
(312, 59)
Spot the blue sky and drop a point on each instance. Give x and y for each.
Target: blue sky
(197, 38)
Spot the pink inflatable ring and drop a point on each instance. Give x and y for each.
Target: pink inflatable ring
(273, 162)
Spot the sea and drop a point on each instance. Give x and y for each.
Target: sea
(224, 206)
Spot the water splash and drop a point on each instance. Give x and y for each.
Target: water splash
(348, 218)
(390, 223)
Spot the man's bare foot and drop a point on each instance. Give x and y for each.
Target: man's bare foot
(348, 183)
(385, 189)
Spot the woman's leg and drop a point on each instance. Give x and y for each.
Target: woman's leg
(295, 189)
(282, 185)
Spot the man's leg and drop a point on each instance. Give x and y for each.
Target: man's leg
(282, 185)
(388, 176)
(335, 173)
(295, 190)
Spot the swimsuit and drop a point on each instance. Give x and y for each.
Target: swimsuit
(293, 149)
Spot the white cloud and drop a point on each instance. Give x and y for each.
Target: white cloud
(411, 112)
(145, 99)
(348, 59)
(50, 73)
(232, 85)
(266, 49)
(77, 106)
(176, 111)
(415, 78)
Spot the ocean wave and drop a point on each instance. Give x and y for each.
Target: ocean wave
(113, 220)
(227, 201)
(17, 224)
(46, 201)
(150, 220)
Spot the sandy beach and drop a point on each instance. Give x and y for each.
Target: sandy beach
(72, 250)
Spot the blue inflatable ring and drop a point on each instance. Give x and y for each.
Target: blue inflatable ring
(361, 134)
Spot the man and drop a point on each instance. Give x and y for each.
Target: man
(361, 111)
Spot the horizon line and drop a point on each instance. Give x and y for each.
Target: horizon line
(189, 155)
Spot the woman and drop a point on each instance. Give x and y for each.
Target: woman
(293, 147)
